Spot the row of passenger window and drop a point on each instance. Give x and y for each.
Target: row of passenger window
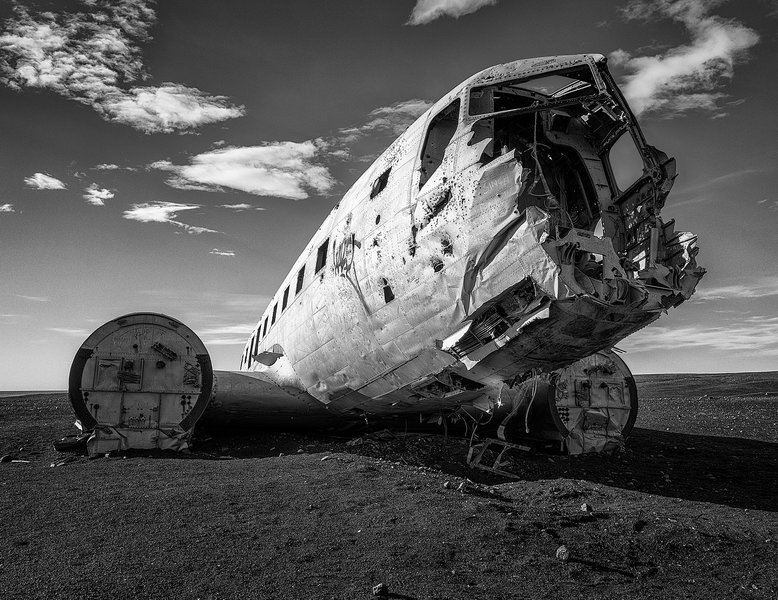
(270, 320)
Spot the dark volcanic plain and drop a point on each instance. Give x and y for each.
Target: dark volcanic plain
(689, 510)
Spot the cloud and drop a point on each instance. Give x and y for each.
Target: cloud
(72, 331)
(226, 335)
(93, 57)
(687, 77)
(222, 252)
(164, 212)
(241, 207)
(277, 169)
(767, 286)
(34, 298)
(168, 108)
(426, 11)
(7, 208)
(96, 195)
(393, 119)
(106, 167)
(42, 181)
(756, 335)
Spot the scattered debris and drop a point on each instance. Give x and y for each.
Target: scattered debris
(447, 485)
(586, 508)
(63, 461)
(72, 443)
(381, 590)
(563, 554)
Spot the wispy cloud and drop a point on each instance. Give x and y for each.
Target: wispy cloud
(112, 167)
(164, 212)
(7, 208)
(227, 335)
(241, 207)
(689, 76)
(767, 286)
(34, 298)
(771, 204)
(757, 335)
(42, 181)
(392, 119)
(426, 11)
(70, 331)
(96, 195)
(222, 252)
(93, 57)
(277, 169)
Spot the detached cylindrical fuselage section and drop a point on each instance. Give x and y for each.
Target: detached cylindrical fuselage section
(140, 381)
(143, 380)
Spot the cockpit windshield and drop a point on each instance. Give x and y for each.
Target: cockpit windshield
(533, 92)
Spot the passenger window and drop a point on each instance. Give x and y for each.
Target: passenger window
(300, 279)
(439, 135)
(388, 293)
(273, 320)
(286, 298)
(321, 255)
(380, 183)
(264, 331)
(256, 343)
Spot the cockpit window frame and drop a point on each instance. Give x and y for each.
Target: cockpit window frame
(599, 90)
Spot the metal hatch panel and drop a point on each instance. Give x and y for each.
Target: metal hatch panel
(140, 381)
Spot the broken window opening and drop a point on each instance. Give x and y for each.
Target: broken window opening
(626, 163)
(531, 92)
(300, 279)
(321, 255)
(554, 176)
(286, 299)
(439, 135)
(447, 246)
(273, 320)
(380, 183)
(437, 264)
(388, 293)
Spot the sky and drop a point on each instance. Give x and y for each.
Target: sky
(177, 156)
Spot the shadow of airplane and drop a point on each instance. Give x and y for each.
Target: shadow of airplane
(736, 472)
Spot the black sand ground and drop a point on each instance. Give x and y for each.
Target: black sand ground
(689, 510)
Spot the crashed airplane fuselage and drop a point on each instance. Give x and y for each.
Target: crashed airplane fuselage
(493, 254)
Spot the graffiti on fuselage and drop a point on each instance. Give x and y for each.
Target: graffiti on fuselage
(344, 255)
(343, 263)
